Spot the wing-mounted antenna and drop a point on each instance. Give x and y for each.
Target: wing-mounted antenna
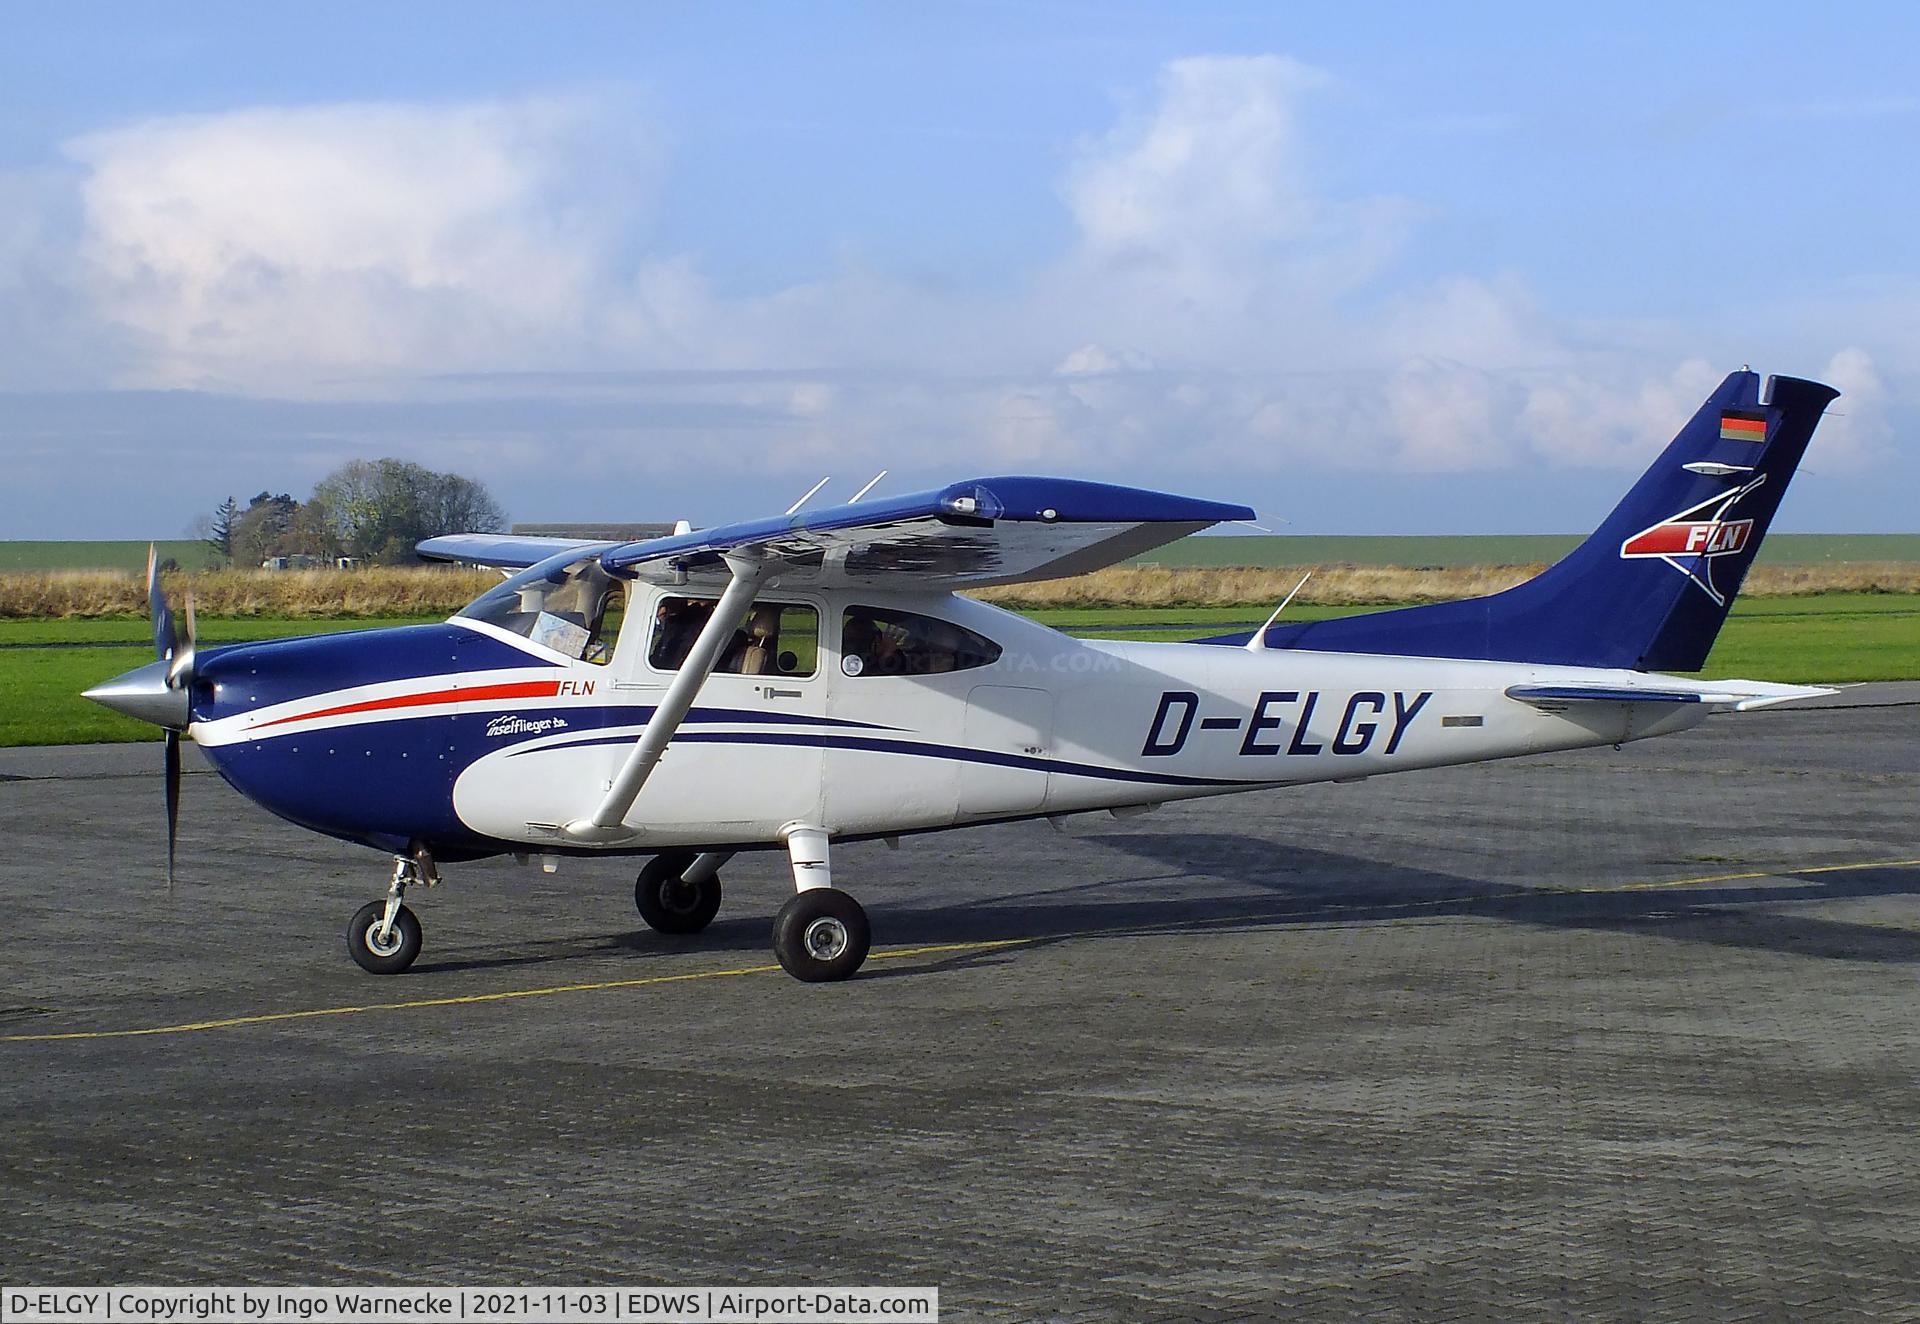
(1258, 643)
(871, 484)
(810, 494)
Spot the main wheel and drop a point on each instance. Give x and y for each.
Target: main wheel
(668, 903)
(379, 955)
(821, 935)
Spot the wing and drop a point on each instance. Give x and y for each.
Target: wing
(503, 550)
(1004, 530)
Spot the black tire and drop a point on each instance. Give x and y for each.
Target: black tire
(669, 905)
(822, 935)
(374, 956)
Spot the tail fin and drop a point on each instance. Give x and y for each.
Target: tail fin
(1650, 589)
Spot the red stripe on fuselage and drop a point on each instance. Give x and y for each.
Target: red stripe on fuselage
(526, 689)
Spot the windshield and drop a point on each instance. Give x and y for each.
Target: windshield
(573, 607)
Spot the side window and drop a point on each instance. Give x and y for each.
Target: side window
(575, 610)
(879, 641)
(771, 639)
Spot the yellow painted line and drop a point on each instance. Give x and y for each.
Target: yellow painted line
(469, 999)
(898, 953)
(1758, 873)
(266, 1018)
(894, 953)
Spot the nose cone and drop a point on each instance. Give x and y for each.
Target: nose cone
(143, 693)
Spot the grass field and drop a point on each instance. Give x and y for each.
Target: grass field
(131, 555)
(1833, 638)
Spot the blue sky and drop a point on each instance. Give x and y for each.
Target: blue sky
(1372, 269)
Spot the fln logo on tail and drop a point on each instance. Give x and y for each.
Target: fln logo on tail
(1692, 540)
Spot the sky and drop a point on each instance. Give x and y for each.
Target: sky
(1368, 268)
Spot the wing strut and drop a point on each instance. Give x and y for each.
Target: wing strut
(605, 824)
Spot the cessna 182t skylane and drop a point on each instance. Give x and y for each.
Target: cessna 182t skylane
(794, 681)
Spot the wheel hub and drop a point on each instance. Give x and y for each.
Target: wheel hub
(383, 944)
(825, 939)
(680, 896)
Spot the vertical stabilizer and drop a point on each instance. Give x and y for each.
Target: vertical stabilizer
(1651, 587)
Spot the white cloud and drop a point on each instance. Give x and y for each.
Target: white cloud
(278, 246)
(1099, 361)
(1202, 236)
(1856, 431)
(1609, 418)
(1216, 311)
(1215, 165)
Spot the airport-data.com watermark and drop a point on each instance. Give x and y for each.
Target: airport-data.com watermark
(469, 1305)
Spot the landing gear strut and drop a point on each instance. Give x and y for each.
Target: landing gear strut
(383, 937)
(680, 892)
(822, 934)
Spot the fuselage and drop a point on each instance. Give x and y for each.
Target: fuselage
(473, 739)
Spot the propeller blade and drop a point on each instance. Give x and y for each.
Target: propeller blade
(166, 641)
(173, 801)
(180, 670)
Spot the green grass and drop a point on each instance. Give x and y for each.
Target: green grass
(44, 665)
(43, 704)
(131, 630)
(1781, 549)
(132, 555)
(1831, 638)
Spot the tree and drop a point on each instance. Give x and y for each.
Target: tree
(219, 534)
(262, 529)
(378, 509)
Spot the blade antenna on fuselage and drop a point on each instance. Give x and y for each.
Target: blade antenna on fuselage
(1259, 640)
(871, 484)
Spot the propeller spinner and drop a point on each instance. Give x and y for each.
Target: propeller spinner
(158, 692)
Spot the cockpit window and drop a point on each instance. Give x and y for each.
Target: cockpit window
(770, 639)
(880, 641)
(573, 608)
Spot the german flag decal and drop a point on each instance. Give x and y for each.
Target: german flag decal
(1743, 425)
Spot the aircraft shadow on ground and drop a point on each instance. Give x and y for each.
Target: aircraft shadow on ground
(1278, 885)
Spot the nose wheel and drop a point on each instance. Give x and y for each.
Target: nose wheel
(383, 937)
(379, 947)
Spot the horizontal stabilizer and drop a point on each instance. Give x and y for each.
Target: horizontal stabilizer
(1733, 695)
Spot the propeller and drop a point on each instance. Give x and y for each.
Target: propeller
(174, 648)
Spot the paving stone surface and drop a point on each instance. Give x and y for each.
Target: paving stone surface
(1437, 1046)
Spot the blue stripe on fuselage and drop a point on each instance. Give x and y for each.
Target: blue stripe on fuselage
(921, 749)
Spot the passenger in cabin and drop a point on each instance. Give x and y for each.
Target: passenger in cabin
(677, 624)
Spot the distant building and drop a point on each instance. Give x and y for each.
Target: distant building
(595, 532)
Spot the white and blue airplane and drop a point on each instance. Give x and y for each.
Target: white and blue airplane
(791, 682)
